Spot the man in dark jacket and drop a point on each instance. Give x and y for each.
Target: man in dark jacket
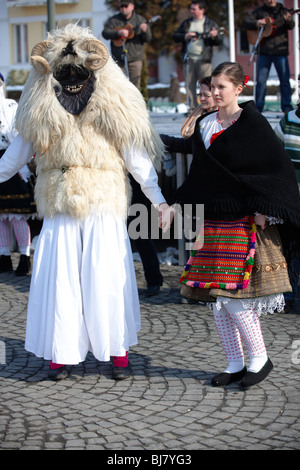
(273, 48)
(198, 34)
(128, 33)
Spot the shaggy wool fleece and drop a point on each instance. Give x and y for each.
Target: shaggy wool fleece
(80, 164)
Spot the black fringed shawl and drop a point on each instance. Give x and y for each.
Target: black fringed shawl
(245, 170)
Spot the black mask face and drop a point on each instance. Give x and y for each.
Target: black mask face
(77, 84)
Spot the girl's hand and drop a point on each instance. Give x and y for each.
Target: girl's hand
(260, 220)
(166, 216)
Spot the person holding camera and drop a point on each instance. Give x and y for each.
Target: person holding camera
(198, 34)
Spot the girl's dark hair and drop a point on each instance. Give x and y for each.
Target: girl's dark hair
(232, 70)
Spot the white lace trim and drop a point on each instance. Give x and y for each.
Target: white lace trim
(272, 220)
(260, 305)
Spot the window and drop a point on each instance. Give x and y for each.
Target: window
(21, 44)
(243, 46)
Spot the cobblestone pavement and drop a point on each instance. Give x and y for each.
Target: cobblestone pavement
(168, 404)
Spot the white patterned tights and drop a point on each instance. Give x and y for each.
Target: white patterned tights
(236, 324)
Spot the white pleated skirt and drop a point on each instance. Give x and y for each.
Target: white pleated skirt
(83, 294)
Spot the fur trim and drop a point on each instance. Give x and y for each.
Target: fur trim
(81, 177)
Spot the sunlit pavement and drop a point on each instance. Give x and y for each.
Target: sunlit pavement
(168, 403)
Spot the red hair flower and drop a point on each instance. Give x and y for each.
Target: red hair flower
(246, 79)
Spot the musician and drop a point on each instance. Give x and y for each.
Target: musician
(130, 31)
(272, 49)
(198, 34)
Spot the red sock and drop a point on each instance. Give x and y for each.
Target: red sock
(121, 361)
(53, 365)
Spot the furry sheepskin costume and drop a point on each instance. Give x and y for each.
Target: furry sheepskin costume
(80, 157)
(88, 126)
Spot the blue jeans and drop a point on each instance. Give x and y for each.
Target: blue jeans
(281, 65)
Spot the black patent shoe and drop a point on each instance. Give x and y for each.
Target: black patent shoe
(24, 266)
(253, 378)
(58, 374)
(225, 378)
(121, 373)
(5, 264)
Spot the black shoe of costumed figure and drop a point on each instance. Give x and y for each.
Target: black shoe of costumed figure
(253, 378)
(121, 373)
(5, 264)
(59, 373)
(121, 368)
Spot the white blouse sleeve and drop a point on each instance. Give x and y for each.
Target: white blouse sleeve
(11, 131)
(16, 156)
(139, 164)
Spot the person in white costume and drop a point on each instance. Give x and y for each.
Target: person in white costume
(88, 126)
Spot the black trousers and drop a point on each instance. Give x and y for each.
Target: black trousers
(145, 246)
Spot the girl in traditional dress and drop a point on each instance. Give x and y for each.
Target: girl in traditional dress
(247, 184)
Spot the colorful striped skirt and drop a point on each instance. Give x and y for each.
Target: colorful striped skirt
(226, 257)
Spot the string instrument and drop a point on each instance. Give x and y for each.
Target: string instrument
(118, 42)
(268, 29)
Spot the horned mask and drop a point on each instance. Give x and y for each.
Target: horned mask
(73, 69)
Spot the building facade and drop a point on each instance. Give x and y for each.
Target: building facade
(23, 23)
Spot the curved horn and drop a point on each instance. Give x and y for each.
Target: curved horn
(98, 54)
(39, 63)
(40, 48)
